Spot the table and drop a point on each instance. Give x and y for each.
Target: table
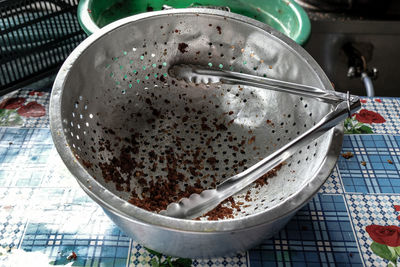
(45, 216)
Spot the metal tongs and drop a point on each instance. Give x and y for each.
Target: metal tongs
(344, 105)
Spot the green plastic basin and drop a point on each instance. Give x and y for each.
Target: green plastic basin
(284, 15)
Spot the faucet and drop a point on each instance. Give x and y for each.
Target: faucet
(358, 68)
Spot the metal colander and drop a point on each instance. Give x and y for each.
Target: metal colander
(123, 126)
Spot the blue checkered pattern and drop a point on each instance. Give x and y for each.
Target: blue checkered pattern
(13, 215)
(43, 209)
(333, 185)
(378, 175)
(72, 222)
(320, 234)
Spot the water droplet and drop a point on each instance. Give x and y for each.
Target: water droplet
(130, 85)
(125, 53)
(165, 74)
(146, 77)
(138, 80)
(153, 55)
(220, 66)
(244, 62)
(125, 76)
(133, 49)
(155, 75)
(141, 57)
(144, 67)
(154, 65)
(210, 64)
(123, 91)
(130, 61)
(164, 64)
(121, 67)
(112, 74)
(134, 71)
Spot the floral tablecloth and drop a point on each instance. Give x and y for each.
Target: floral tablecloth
(46, 219)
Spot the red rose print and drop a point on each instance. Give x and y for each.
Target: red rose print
(397, 208)
(367, 116)
(363, 101)
(12, 103)
(385, 235)
(32, 109)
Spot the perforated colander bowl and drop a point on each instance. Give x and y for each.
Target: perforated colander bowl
(124, 128)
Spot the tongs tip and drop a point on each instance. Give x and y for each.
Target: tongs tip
(192, 74)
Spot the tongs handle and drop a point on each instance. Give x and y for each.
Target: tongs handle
(199, 74)
(344, 105)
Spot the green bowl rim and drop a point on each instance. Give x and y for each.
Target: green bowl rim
(89, 26)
